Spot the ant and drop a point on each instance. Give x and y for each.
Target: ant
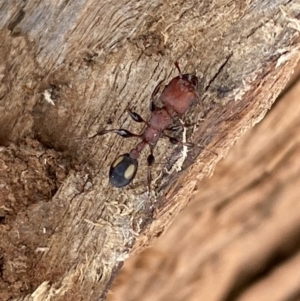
(176, 99)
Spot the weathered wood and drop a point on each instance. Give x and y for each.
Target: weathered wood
(238, 239)
(64, 231)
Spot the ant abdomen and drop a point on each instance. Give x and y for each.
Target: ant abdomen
(122, 171)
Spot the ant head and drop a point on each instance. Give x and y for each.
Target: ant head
(122, 171)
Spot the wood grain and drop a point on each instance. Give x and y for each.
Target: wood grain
(238, 239)
(71, 68)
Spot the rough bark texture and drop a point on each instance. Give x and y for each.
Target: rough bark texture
(70, 68)
(238, 239)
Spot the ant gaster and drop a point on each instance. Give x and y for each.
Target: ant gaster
(176, 100)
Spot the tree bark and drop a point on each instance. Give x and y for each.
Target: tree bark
(241, 228)
(69, 69)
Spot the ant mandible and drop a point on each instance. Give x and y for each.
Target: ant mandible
(176, 99)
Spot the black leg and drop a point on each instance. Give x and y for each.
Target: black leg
(136, 117)
(174, 140)
(121, 132)
(150, 161)
(175, 128)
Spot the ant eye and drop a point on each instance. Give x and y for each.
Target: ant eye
(122, 170)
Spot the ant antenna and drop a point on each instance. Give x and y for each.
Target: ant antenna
(178, 68)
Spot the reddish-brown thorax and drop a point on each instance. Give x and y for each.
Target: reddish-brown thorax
(176, 98)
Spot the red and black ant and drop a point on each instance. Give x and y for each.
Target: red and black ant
(176, 100)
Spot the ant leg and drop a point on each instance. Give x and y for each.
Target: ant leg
(135, 116)
(175, 128)
(174, 140)
(150, 161)
(121, 132)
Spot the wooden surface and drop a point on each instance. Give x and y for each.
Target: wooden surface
(238, 239)
(71, 68)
